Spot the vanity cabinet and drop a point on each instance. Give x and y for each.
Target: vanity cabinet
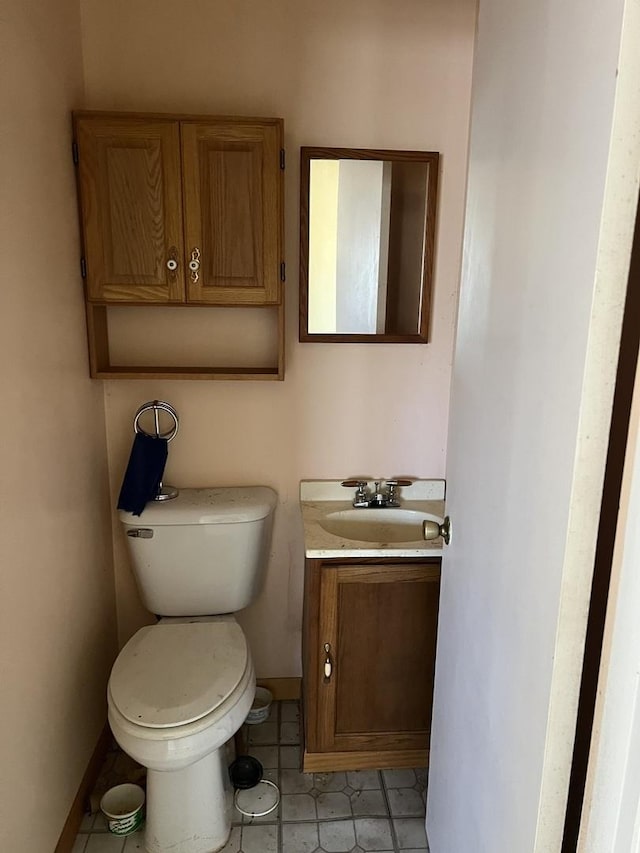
(369, 643)
(179, 211)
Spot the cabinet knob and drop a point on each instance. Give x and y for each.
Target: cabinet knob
(328, 666)
(172, 261)
(194, 264)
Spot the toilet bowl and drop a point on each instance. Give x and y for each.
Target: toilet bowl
(180, 689)
(178, 692)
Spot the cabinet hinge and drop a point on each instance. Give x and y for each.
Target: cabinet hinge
(282, 272)
(282, 158)
(74, 152)
(83, 268)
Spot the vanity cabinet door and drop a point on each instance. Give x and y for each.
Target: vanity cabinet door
(130, 195)
(232, 184)
(379, 623)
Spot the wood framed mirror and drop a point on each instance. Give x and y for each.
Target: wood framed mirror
(367, 235)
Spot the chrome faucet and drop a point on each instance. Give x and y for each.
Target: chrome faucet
(380, 498)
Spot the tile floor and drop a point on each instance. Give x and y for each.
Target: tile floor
(364, 811)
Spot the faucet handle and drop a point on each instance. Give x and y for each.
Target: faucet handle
(392, 485)
(360, 486)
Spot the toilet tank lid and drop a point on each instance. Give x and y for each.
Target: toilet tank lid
(226, 505)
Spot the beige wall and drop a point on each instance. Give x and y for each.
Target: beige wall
(57, 634)
(366, 73)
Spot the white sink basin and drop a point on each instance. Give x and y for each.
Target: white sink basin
(377, 525)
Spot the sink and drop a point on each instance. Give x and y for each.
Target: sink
(377, 525)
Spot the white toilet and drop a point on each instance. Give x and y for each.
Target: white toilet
(180, 689)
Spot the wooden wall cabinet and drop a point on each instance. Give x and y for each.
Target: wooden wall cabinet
(369, 643)
(182, 211)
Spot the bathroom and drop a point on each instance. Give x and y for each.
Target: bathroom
(68, 599)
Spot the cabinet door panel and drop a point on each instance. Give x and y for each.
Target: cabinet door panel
(129, 174)
(232, 206)
(381, 624)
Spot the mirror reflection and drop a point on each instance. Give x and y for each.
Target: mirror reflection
(367, 223)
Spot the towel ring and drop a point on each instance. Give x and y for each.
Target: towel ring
(165, 493)
(157, 406)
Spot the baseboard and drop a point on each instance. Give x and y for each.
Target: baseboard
(282, 689)
(78, 807)
(325, 762)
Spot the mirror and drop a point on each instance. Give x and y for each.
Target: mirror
(367, 233)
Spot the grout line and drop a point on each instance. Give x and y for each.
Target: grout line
(394, 837)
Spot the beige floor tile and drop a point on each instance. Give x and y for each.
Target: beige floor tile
(263, 734)
(297, 807)
(333, 805)
(368, 804)
(104, 843)
(294, 782)
(405, 802)
(289, 733)
(374, 834)
(134, 843)
(290, 757)
(410, 833)
(364, 780)
(399, 778)
(260, 839)
(300, 837)
(289, 712)
(337, 836)
(330, 781)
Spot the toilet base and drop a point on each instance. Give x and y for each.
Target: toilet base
(189, 810)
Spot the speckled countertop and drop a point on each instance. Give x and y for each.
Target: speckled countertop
(318, 498)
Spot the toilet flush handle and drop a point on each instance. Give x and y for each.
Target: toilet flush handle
(140, 533)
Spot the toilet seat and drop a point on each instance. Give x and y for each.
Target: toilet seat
(175, 673)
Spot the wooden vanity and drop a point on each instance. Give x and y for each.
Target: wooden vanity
(369, 646)
(367, 698)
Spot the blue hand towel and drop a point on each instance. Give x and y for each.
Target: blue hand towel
(144, 473)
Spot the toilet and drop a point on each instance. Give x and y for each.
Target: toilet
(180, 689)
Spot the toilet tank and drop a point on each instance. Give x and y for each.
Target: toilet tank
(203, 553)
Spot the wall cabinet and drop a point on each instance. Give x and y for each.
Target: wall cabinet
(369, 643)
(179, 211)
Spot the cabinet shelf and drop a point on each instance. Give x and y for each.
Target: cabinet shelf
(254, 373)
(182, 343)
